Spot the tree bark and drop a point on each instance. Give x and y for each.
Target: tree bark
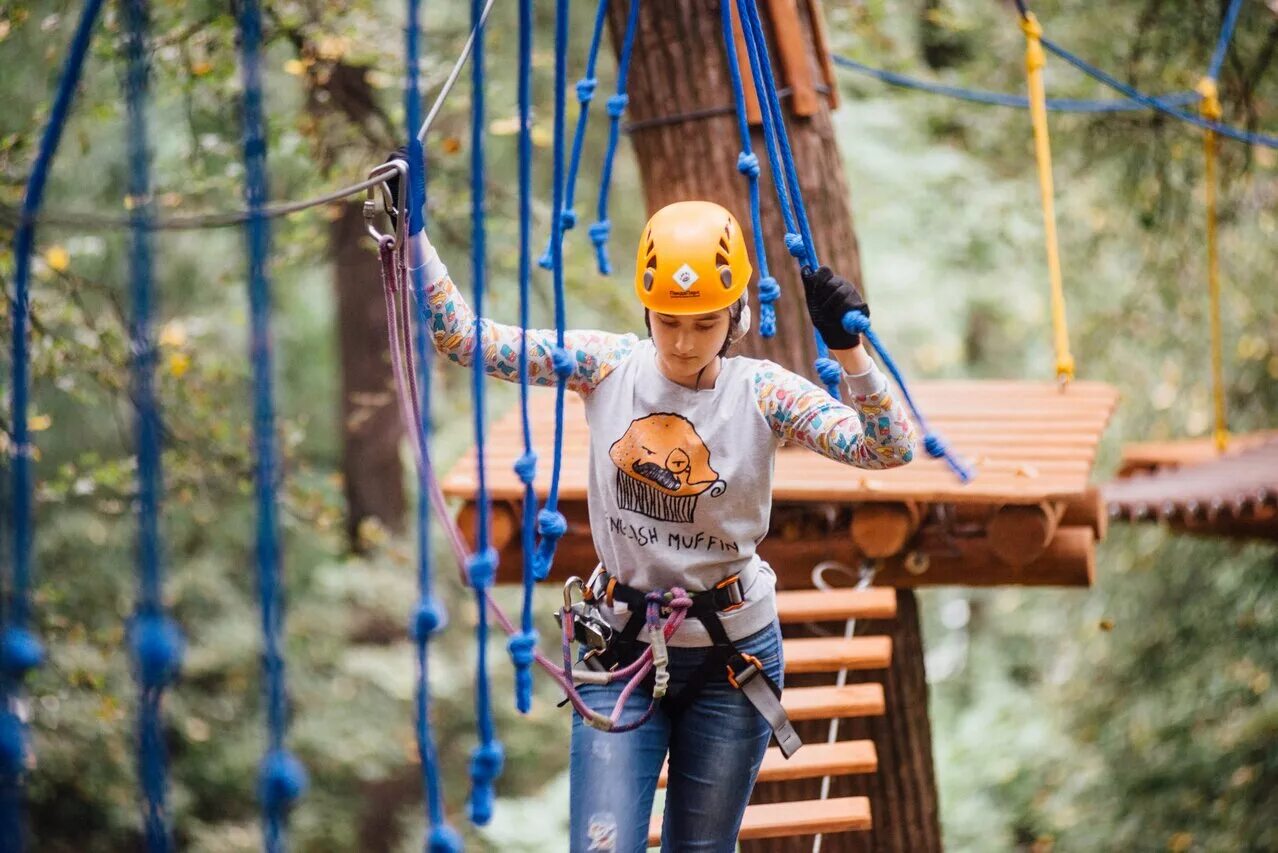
(372, 472)
(679, 67)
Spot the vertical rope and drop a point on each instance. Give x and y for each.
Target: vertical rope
(551, 524)
(428, 615)
(602, 228)
(20, 651)
(785, 178)
(585, 94)
(487, 758)
(801, 245)
(155, 640)
(748, 165)
(523, 645)
(1211, 110)
(1035, 60)
(282, 779)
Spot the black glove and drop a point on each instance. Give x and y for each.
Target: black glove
(829, 298)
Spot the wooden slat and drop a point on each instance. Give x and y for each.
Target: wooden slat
(1027, 441)
(804, 817)
(1152, 455)
(830, 654)
(841, 758)
(830, 702)
(812, 605)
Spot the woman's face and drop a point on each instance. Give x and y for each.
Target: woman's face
(687, 344)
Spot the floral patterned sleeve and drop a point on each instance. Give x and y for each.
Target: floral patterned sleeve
(594, 354)
(874, 431)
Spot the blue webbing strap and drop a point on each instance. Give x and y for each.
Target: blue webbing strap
(1222, 41)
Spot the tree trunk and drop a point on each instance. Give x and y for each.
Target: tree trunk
(371, 431)
(679, 67)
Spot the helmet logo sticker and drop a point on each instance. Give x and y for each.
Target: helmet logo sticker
(685, 277)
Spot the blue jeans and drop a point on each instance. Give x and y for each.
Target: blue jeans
(716, 745)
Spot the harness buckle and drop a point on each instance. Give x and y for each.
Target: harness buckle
(739, 680)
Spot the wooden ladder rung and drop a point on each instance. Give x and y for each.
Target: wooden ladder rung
(803, 817)
(813, 760)
(816, 605)
(830, 654)
(829, 702)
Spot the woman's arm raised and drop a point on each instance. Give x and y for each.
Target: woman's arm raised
(874, 431)
(452, 327)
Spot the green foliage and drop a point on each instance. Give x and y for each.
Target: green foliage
(1139, 715)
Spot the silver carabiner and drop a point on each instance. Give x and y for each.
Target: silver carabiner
(390, 206)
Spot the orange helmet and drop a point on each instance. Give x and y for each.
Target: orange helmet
(692, 259)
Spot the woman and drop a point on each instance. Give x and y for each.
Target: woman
(682, 439)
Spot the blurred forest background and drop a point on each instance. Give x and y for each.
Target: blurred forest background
(1138, 715)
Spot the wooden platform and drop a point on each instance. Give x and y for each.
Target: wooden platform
(1193, 487)
(1029, 516)
(817, 759)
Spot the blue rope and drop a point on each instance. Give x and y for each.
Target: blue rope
(1140, 97)
(602, 228)
(1001, 99)
(155, 639)
(551, 524)
(429, 615)
(585, 94)
(481, 568)
(282, 779)
(748, 165)
(1222, 41)
(20, 651)
(1154, 103)
(524, 644)
(855, 322)
(784, 175)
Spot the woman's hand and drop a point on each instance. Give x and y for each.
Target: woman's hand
(829, 298)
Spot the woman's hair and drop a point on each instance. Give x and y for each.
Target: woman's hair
(734, 317)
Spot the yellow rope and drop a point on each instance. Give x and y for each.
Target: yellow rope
(1035, 59)
(1211, 110)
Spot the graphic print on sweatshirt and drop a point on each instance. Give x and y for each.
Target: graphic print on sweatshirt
(663, 468)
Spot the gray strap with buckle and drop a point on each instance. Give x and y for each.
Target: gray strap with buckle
(760, 694)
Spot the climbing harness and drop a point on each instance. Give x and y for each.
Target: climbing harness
(744, 671)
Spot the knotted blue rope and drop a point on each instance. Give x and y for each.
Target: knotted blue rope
(156, 640)
(20, 651)
(551, 524)
(282, 779)
(803, 246)
(523, 644)
(481, 568)
(748, 165)
(602, 229)
(1003, 99)
(585, 94)
(777, 146)
(429, 615)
